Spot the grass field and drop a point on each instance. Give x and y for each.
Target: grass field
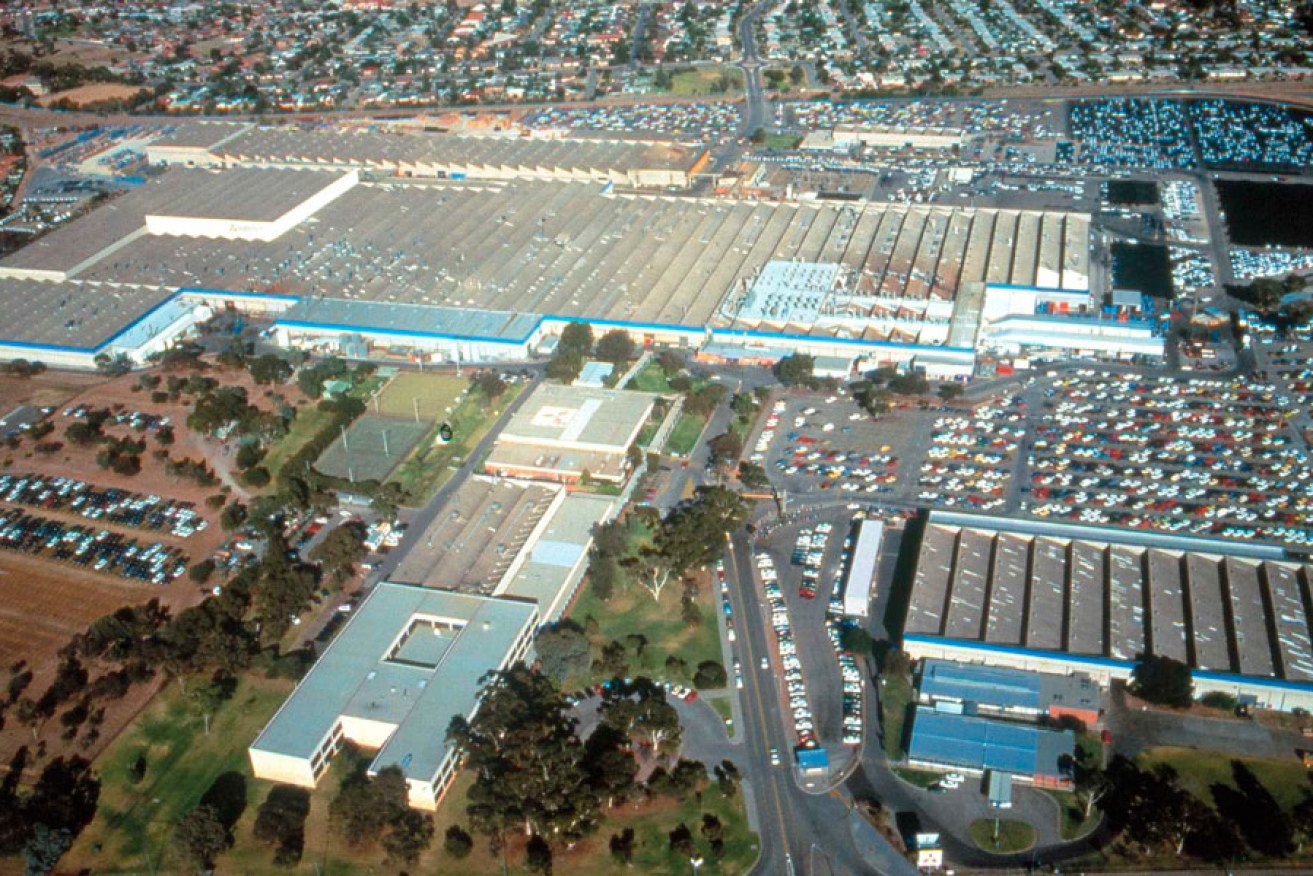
(650, 378)
(374, 446)
(702, 81)
(723, 708)
(431, 464)
(1013, 836)
(895, 703)
(632, 610)
(434, 395)
(684, 437)
(1287, 780)
(781, 141)
(133, 823)
(309, 420)
(1071, 815)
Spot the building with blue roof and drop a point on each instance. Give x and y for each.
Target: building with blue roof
(1003, 691)
(944, 740)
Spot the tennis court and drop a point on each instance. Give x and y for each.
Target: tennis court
(372, 448)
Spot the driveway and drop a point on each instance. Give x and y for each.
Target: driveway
(1133, 731)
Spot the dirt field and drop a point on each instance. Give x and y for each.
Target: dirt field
(43, 601)
(90, 95)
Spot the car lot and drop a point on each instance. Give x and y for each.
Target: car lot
(102, 551)
(1203, 456)
(107, 504)
(972, 456)
(812, 442)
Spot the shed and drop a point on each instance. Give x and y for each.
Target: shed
(812, 760)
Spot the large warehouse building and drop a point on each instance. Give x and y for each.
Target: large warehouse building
(350, 248)
(1056, 597)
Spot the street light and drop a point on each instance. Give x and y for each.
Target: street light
(696, 862)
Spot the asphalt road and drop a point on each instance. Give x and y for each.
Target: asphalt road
(800, 833)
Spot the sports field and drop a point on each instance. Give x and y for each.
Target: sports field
(373, 447)
(434, 395)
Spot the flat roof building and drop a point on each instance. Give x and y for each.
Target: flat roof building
(561, 432)
(408, 661)
(863, 569)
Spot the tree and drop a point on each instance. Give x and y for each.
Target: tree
(753, 476)
(538, 856)
(410, 834)
(364, 807)
(113, 366)
(622, 846)
(855, 640)
(44, 848)
(490, 384)
(565, 366)
(950, 391)
(603, 572)
(562, 650)
(269, 368)
(458, 843)
(795, 370)
(727, 777)
(526, 759)
(280, 821)
(725, 447)
(681, 840)
(642, 713)
(670, 363)
(613, 661)
(1151, 808)
(710, 674)
(340, 550)
(693, 533)
(577, 337)
(616, 346)
(1164, 681)
(200, 837)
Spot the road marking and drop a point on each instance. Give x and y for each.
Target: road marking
(761, 712)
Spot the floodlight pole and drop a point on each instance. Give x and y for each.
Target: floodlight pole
(345, 445)
(385, 443)
(414, 401)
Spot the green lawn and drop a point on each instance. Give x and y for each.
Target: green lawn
(432, 394)
(650, 378)
(430, 463)
(307, 423)
(1287, 780)
(684, 437)
(1071, 814)
(133, 822)
(1013, 836)
(780, 141)
(896, 696)
(919, 778)
(702, 81)
(632, 610)
(723, 707)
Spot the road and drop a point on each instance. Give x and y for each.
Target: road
(756, 110)
(800, 834)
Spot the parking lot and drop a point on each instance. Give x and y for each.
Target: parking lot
(972, 457)
(801, 570)
(1200, 456)
(108, 504)
(812, 442)
(102, 551)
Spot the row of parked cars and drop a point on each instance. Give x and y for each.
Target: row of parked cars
(102, 551)
(109, 504)
(1203, 456)
(809, 552)
(803, 725)
(834, 626)
(971, 457)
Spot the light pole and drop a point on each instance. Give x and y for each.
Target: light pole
(696, 862)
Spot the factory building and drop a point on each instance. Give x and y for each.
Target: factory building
(1065, 598)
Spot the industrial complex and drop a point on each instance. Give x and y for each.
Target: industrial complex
(1065, 598)
(432, 245)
